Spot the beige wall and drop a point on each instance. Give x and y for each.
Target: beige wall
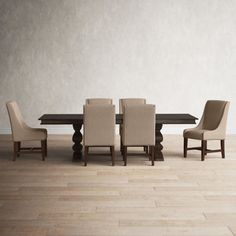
(176, 53)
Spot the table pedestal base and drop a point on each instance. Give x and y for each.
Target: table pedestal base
(158, 146)
(77, 139)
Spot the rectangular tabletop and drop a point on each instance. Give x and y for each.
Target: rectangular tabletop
(63, 119)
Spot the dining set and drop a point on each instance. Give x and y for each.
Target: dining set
(139, 126)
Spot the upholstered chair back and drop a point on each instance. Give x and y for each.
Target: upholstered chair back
(138, 125)
(215, 115)
(16, 120)
(99, 125)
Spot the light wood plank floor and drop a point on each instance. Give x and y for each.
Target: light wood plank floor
(175, 197)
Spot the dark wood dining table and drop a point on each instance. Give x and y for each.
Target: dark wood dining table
(76, 120)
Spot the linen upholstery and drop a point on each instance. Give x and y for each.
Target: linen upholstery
(99, 125)
(138, 125)
(212, 125)
(130, 101)
(95, 101)
(20, 130)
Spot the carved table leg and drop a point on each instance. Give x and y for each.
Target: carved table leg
(158, 145)
(77, 138)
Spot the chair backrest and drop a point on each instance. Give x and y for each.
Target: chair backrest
(102, 101)
(99, 125)
(215, 115)
(130, 101)
(138, 125)
(16, 120)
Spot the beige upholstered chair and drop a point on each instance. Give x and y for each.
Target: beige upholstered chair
(138, 128)
(130, 101)
(211, 127)
(99, 128)
(97, 101)
(22, 132)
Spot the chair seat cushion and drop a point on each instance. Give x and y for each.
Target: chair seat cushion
(202, 134)
(33, 134)
(194, 133)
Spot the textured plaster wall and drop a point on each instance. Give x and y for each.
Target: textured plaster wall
(175, 53)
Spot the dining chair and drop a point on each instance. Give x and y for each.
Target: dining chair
(129, 101)
(22, 132)
(212, 126)
(99, 128)
(138, 128)
(98, 101)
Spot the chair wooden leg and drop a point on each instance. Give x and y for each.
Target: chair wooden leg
(122, 148)
(120, 132)
(112, 148)
(185, 146)
(43, 149)
(18, 149)
(152, 151)
(222, 144)
(125, 155)
(145, 149)
(149, 152)
(15, 150)
(203, 151)
(85, 155)
(46, 148)
(206, 148)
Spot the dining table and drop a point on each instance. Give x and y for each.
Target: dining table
(76, 120)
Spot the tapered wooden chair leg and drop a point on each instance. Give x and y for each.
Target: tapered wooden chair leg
(85, 155)
(125, 155)
(46, 148)
(43, 149)
(152, 150)
(15, 148)
(18, 149)
(145, 148)
(222, 144)
(120, 131)
(150, 153)
(122, 149)
(206, 148)
(185, 146)
(113, 155)
(203, 151)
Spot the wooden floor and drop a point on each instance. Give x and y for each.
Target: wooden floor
(60, 197)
